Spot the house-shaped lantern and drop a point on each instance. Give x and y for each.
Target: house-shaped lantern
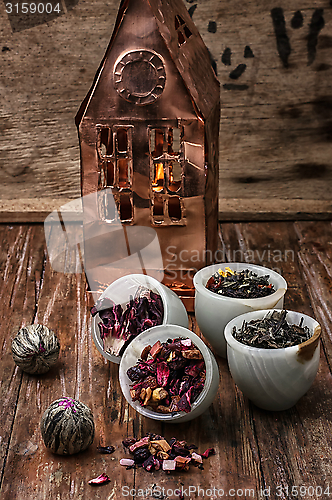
(148, 131)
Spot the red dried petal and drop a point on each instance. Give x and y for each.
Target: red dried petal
(162, 373)
(98, 481)
(208, 452)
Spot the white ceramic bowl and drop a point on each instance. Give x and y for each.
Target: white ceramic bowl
(121, 290)
(274, 379)
(162, 333)
(214, 311)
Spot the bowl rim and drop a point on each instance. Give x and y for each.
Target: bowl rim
(239, 346)
(281, 290)
(94, 325)
(175, 331)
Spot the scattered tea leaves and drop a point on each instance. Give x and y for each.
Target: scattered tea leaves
(272, 332)
(240, 285)
(118, 327)
(105, 450)
(169, 378)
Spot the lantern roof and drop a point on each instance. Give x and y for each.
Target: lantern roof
(186, 48)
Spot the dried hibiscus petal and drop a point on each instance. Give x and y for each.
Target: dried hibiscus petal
(208, 452)
(106, 450)
(98, 481)
(162, 373)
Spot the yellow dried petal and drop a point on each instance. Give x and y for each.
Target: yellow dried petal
(229, 270)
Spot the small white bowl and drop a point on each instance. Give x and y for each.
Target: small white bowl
(274, 379)
(214, 311)
(121, 290)
(162, 333)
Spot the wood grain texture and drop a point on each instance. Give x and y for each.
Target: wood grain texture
(255, 449)
(275, 128)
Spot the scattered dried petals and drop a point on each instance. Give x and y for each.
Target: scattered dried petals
(208, 452)
(182, 462)
(98, 481)
(198, 458)
(106, 450)
(127, 462)
(169, 464)
(139, 444)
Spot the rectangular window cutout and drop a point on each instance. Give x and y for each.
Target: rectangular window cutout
(126, 207)
(156, 142)
(110, 173)
(124, 173)
(105, 142)
(175, 140)
(122, 140)
(175, 175)
(174, 208)
(158, 208)
(110, 210)
(158, 177)
(187, 32)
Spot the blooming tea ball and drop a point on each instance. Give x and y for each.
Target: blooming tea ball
(67, 426)
(35, 349)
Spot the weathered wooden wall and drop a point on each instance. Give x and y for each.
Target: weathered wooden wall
(276, 123)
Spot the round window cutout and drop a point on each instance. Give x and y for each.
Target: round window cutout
(140, 77)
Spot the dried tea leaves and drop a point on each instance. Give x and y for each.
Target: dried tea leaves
(118, 327)
(154, 452)
(271, 332)
(240, 285)
(169, 376)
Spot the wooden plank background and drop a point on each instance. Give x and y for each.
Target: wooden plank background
(276, 122)
(255, 449)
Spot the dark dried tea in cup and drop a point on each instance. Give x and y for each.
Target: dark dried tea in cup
(271, 332)
(240, 285)
(169, 376)
(119, 326)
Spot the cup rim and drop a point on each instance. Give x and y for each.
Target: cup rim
(94, 325)
(201, 288)
(308, 345)
(174, 331)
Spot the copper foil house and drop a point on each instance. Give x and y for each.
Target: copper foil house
(148, 131)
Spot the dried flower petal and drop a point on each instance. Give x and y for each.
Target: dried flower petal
(127, 462)
(169, 464)
(192, 354)
(155, 349)
(182, 462)
(140, 444)
(208, 452)
(106, 450)
(98, 481)
(198, 458)
(145, 352)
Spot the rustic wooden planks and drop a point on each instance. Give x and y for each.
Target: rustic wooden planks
(275, 126)
(255, 449)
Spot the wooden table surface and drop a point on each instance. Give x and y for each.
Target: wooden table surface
(259, 454)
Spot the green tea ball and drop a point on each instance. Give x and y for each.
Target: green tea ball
(67, 426)
(35, 349)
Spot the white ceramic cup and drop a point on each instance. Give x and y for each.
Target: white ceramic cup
(162, 333)
(214, 311)
(121, 290)
(274, 379)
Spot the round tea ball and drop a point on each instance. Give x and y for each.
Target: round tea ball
(67, 426)
(35, 349)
